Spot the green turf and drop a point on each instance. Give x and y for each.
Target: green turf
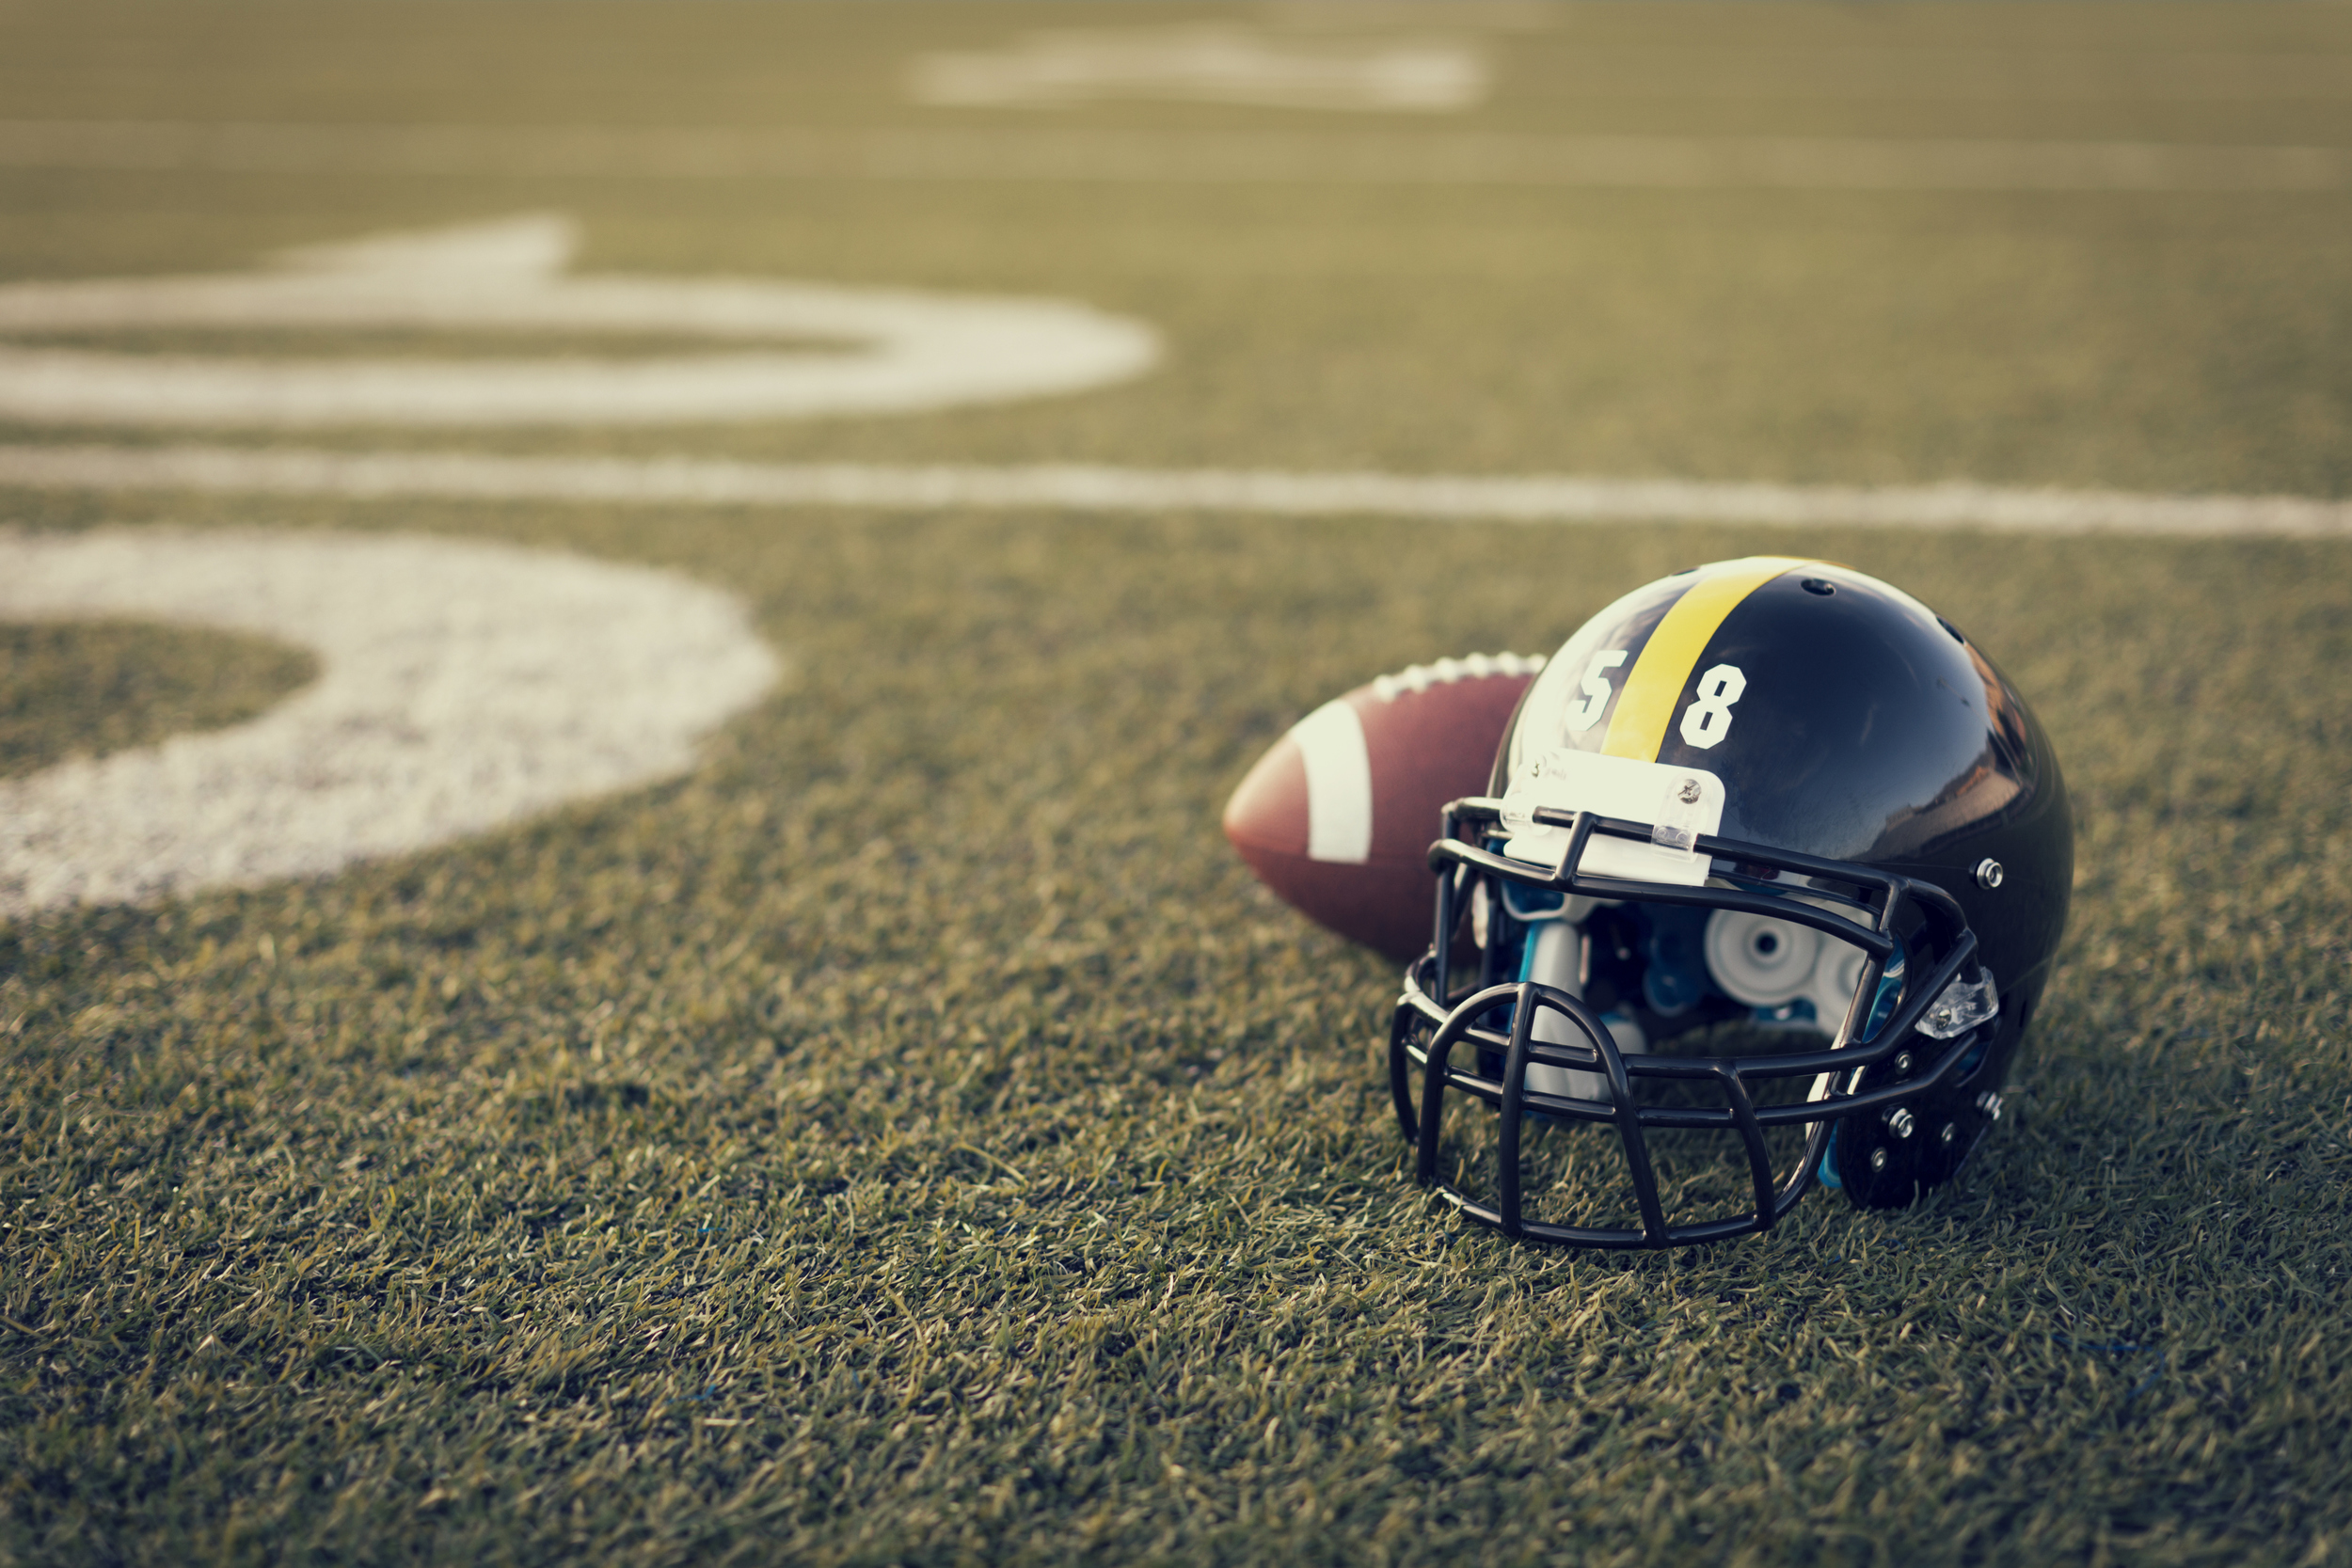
(87, 688)
(912, 1138)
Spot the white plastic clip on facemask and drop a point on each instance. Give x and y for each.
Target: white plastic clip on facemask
(1679, 815)
(1964, 1005)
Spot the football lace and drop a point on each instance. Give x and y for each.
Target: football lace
(1421, 677)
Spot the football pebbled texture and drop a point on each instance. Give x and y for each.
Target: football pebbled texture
(1338, 816)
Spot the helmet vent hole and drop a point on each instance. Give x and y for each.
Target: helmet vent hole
(1818, 585)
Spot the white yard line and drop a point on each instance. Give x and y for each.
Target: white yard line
(967, 153)
(1533, 498)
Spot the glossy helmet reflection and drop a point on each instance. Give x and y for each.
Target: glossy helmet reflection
(1772, 865)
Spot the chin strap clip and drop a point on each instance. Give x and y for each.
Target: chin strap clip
(1968, 1000)
(1680, 816)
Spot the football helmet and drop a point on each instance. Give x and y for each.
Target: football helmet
(1767, 883)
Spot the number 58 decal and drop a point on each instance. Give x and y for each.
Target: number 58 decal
(1705, 722)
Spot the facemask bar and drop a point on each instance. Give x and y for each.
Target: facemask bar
(1888, 902)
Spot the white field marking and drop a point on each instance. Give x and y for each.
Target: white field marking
(906, 351)
(463, 686)
(1330, 742)
(1208, 62)
(1359, 16)
(1161, 157)
(1533, 498)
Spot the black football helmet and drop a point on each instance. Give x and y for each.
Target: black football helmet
(1767, 881)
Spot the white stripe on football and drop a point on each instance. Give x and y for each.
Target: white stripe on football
(1337, 816)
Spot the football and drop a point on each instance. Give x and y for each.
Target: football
(1338, 816)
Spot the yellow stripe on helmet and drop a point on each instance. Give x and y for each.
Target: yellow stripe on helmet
(1656, 685)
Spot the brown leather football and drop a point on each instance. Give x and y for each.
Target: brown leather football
(1337, 818)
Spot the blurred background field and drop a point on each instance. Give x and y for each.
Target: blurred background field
(911, 1137)
(2173, 339)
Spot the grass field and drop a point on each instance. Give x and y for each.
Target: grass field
(912, 1138)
